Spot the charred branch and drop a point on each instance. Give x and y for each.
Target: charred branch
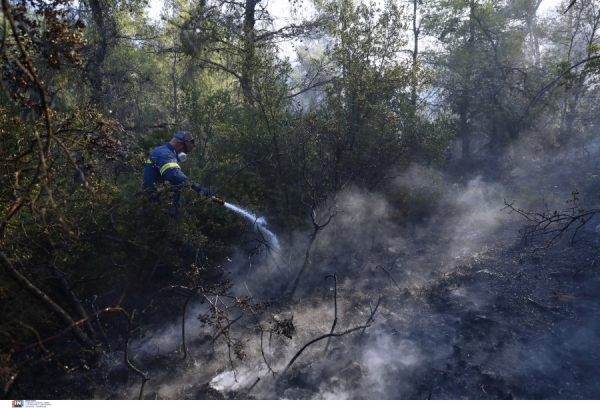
(74, 299)
(316, 228)
(372, 316)
(252, 386)
(262, 352)
(552, 225)
(144, 376)
(99, 324)
(316, 340)
(389, 275)
(183, 346)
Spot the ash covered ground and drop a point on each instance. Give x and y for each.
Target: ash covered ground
(463, 309)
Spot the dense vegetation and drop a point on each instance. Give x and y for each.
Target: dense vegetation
(287, 115)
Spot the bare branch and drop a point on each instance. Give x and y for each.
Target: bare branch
(144, 376)
(553, 224)
(389, 275)
(570, 5)
(555, 80)
(316, 340)
(309, 87)
(370, 319)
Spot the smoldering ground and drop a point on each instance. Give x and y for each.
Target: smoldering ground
(462, 313)
(461, 307)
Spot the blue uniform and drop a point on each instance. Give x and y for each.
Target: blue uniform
(161, 166)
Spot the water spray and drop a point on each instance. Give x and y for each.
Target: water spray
(259, 222)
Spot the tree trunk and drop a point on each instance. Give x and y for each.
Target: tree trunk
(249, 50)
(415, 54)
(305, 263)
(95, 63)
(464, 130)
(534, 41)
(465, 103)
(175, 87)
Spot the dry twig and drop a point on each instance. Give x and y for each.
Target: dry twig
(371, 317)
(554, 224)
(389, 275)
(316, 340)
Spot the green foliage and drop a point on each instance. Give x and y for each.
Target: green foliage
(593, 66)
(97, 108)
(367, 124)
(414, 203)
(593, 49)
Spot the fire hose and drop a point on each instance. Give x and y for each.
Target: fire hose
(217, 200)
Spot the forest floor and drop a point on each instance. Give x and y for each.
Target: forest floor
(503, 323)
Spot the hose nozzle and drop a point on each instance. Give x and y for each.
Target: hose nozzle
(217, 200)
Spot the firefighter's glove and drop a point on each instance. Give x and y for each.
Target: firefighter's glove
(199, 189)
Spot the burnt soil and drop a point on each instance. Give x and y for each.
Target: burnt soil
(502, 324)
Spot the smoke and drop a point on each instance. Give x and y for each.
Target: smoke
(459, 313)
(368, 237)
(240, 380)
(475, 215)
(367, 247)
(385, 358)
(260, 224)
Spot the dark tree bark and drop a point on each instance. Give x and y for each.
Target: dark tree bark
(94, 65)
(249, 49)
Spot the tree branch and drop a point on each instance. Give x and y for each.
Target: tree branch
(553, 224)
(316, 340)
(554, 81)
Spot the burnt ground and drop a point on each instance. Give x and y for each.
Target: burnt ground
(504, 324)
(501, 324)
(529, 332)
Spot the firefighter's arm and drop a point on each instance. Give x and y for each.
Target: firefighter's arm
(169, 169)
(171, 172)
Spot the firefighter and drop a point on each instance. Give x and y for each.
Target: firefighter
(163, 165)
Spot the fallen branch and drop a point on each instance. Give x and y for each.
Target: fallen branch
(316, 340)
(370, 319)
(252, 386)
(389, 275)
(553, 225)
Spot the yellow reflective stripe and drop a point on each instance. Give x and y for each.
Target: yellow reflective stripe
(148, 161)
(168, 166)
